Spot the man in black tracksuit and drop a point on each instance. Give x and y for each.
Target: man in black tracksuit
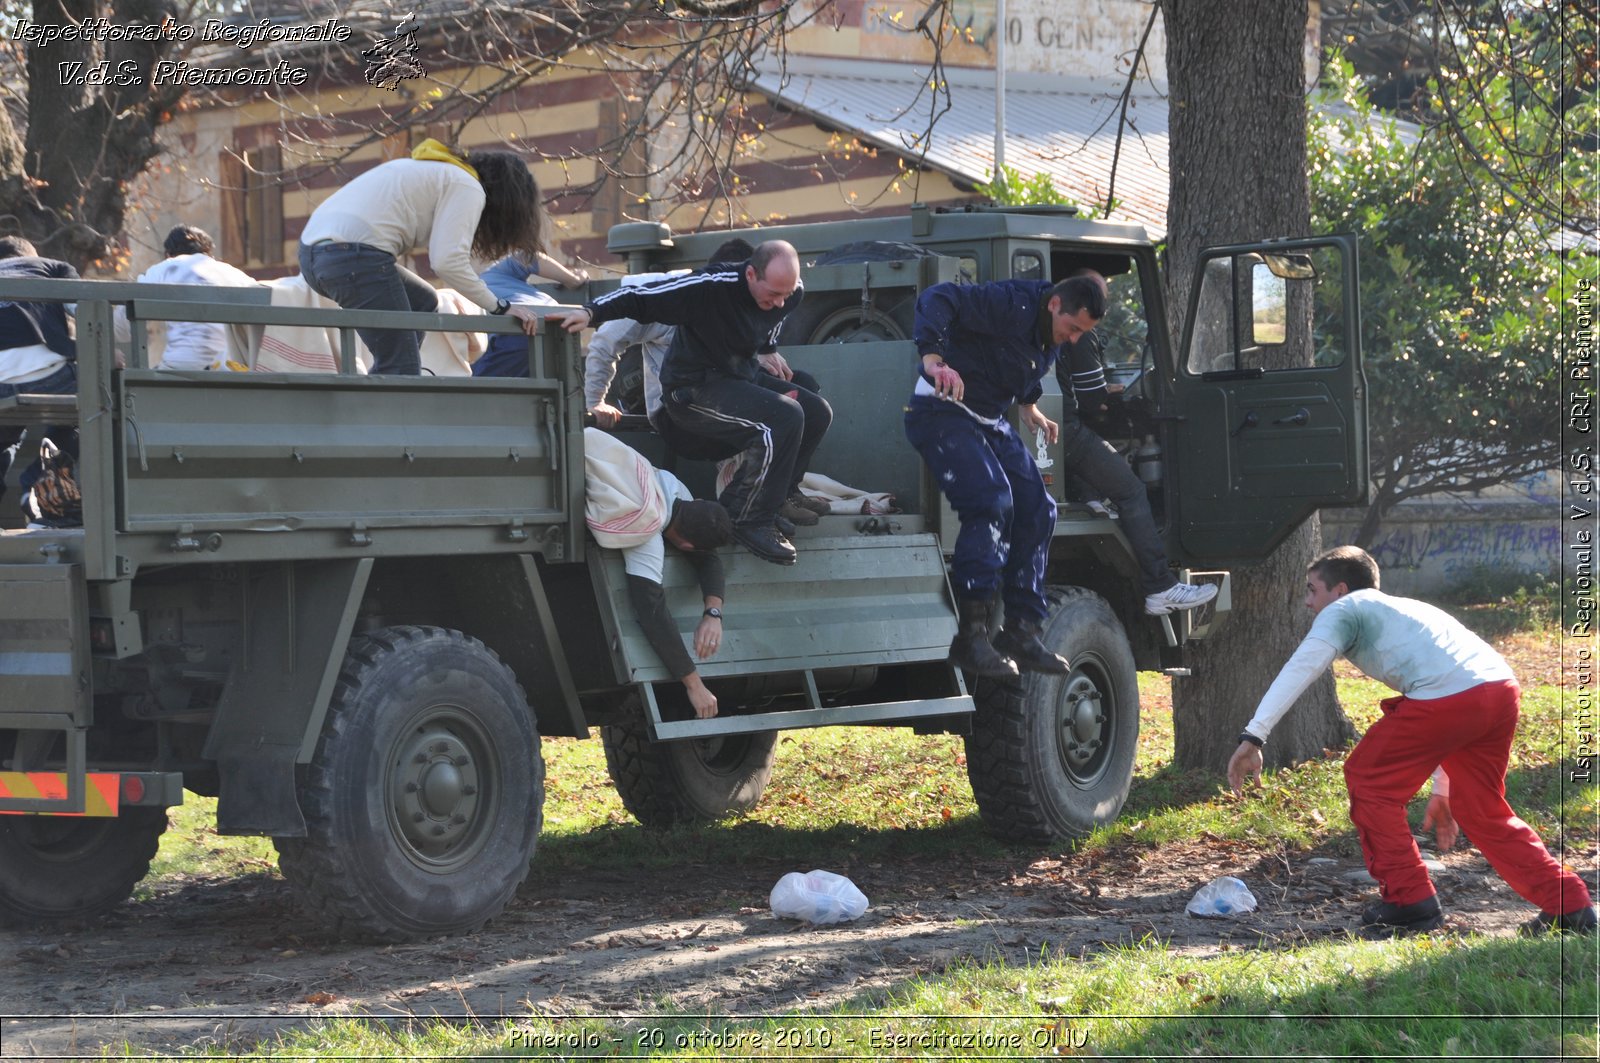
(712, 386)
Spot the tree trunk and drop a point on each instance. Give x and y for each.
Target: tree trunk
(67, 186)
(1236, 80)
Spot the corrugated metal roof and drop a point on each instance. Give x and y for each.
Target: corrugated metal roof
(1057, 126)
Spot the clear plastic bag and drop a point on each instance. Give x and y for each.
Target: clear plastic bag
(1222, 896)
(817, 897)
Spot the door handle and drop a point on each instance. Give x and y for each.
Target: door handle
(1251, 419)
(1300, 416)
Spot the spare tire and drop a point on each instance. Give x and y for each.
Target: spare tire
(841, 317)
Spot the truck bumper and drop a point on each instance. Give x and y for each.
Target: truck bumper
(105, 793)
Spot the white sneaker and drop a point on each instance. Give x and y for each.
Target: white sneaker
(1179, 596)
(1103, 509)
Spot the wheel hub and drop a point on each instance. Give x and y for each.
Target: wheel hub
(1081, 722)
(435, 790)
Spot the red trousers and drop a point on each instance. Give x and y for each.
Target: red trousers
(1470, 735)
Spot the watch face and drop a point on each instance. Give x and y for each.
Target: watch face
(714, 611)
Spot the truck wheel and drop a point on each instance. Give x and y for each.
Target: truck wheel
(690, 781)
(1051, 757)
(57, 868)
(425, 795)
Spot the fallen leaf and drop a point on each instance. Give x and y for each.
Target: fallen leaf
(321, 1000)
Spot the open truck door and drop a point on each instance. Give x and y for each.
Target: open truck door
(1270, 398)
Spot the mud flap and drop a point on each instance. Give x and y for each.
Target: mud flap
(300, 619)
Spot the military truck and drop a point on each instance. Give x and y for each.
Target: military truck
(350, 607)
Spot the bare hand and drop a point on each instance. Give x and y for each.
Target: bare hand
(606, 415)
(946, 381)
(1439, 817)
(572, 320)
(531, 322)
(1034, 421)
(1244, 764)
(774, 363)
(707, 637)
(704, 702)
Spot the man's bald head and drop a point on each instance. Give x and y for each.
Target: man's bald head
(773, 273)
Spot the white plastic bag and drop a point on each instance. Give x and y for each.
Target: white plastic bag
(1222, 896)
(817, 897)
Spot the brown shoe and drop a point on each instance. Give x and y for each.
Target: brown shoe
(797, 514)
(815, 505)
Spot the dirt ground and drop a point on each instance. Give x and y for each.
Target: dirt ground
(231, 962)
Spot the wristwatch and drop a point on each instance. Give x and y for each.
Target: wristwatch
(501, 307)
(1246, 736)
(713, 612)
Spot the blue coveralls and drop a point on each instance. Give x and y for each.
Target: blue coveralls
(995, 335)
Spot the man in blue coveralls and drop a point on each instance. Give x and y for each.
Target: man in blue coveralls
(984, 347)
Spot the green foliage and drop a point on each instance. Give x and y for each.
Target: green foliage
(1011, 189)
(1461, 302)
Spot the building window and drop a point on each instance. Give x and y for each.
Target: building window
(252, 206)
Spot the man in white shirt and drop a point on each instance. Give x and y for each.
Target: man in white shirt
(1456, 711)
(633, 507)
(194, 344)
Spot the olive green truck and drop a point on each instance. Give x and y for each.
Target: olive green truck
(349, 607)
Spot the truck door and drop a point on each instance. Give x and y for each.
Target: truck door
(1270, 401)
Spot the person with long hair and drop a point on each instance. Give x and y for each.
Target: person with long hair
(460, 205)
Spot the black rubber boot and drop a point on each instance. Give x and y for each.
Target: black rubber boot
(971, 650)
(1397, 920)
(1581, 921)
(1019, 640)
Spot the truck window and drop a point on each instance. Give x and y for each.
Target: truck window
(1264, 310)
(1027, 266)
(1125, 330)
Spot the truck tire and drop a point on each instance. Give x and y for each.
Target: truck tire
(691, 781)
(63, 868)
(1051, 757)
(837, 317)
(425, 796)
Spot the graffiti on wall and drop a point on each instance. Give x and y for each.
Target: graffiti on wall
(1440, 551)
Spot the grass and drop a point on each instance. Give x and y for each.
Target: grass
(844, 795)
(1455, 998)
(191, 848)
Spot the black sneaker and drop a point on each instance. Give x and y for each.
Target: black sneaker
(1404, 918)
(764, 541)
(784, 525)
(1581, 921)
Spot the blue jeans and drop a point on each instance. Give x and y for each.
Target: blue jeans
(359, 277)
(63, 381)
(995, 488)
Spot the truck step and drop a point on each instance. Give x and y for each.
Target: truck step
(796, 719)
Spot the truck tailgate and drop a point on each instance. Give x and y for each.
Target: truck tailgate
(851, 600)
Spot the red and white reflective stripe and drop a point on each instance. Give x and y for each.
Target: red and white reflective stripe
(101, 798)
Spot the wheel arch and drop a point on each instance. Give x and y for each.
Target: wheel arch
(500, 601)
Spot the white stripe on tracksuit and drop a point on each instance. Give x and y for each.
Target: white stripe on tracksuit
(766, 461)
(688, 280)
